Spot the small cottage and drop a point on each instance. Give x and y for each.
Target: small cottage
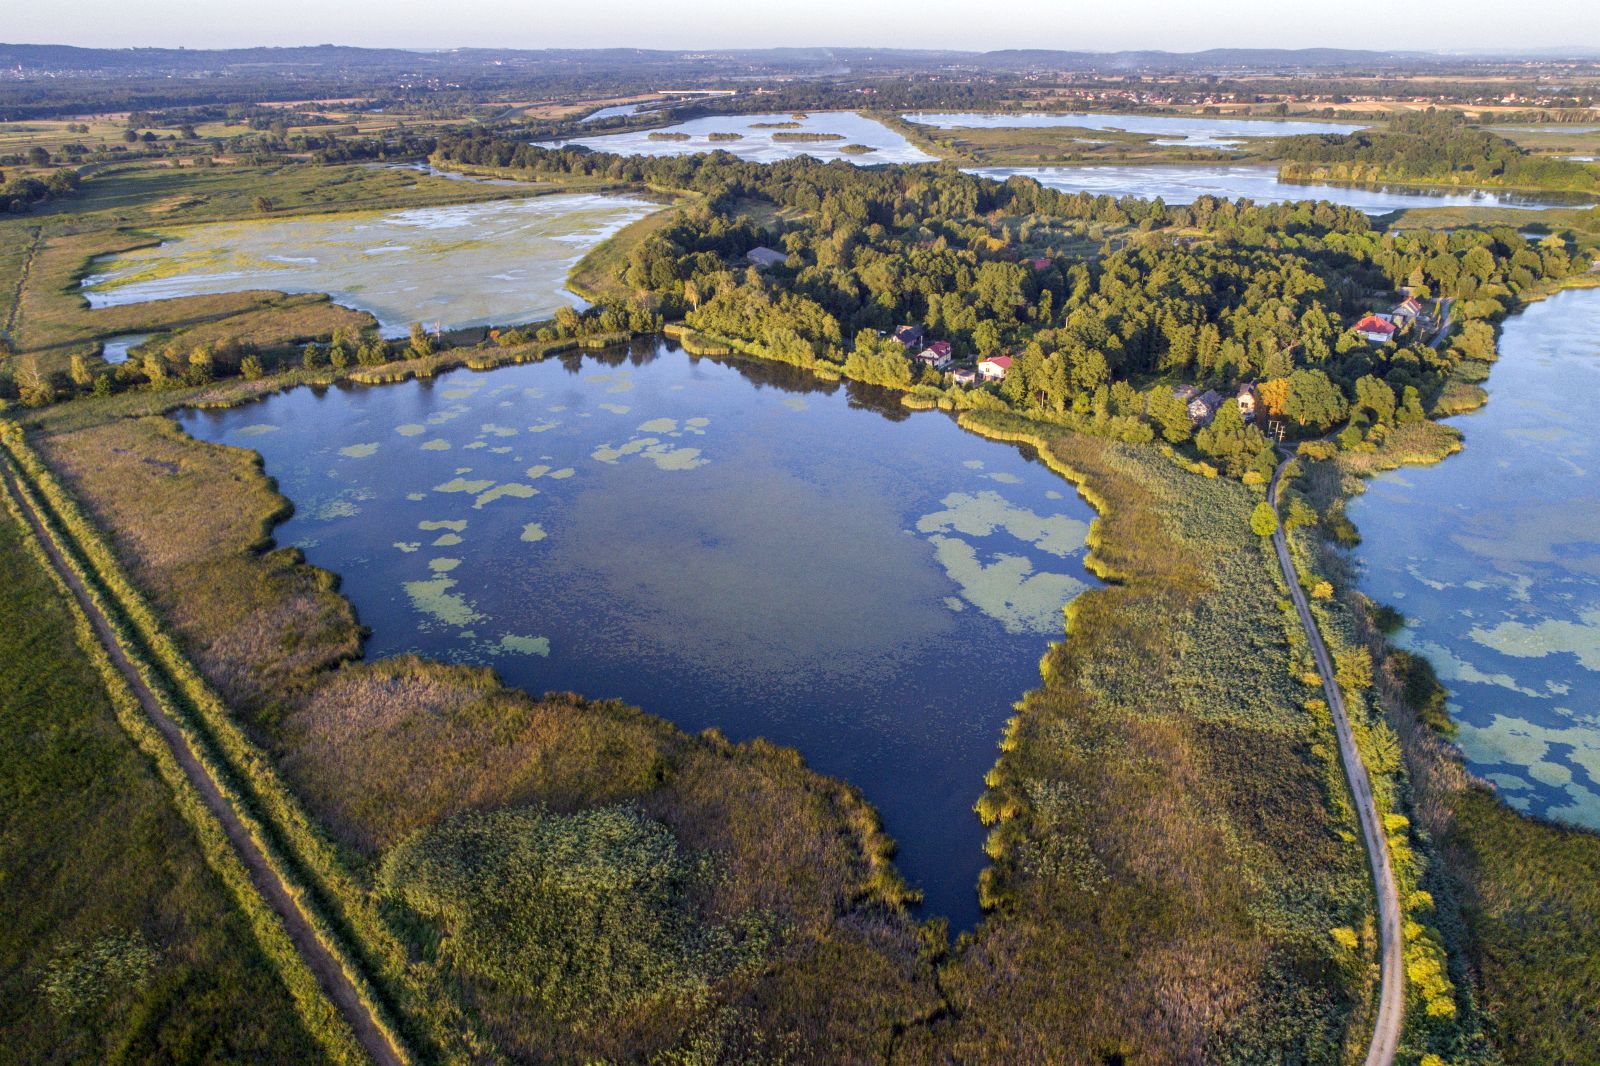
(1246, 399)
(910, 336)
(763, 257)
(1375, 329)
(1406, 311)
(936, 355)
(963, 375)
(994, 368)
(1203, 408)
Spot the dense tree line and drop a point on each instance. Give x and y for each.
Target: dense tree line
(1429, 146)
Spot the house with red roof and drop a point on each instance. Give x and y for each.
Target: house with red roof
(994, 368)
(937, 354)
(1375, 329)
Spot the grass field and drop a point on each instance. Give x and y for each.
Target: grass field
(99, 867)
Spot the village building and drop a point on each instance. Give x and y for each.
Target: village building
(963, 375)
(910, 336)
(936, 355)
(763, 257)
(1375, 329)
(1406, 312)
(994, 368)
(1246, 399)
(1203, 408)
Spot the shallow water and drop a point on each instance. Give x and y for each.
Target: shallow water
(1494, 557)
(1189, 131)
(758, 146)
(729, 545)
(115, 349)
(1182, 184)
(501, 262)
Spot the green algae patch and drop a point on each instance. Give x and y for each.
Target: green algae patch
(434, 599)
(615, 408)
(659, 425)
(259, 430)
(454, 525)
(461, 484)
(443, 566)
(438, 444)
(359, 451)
(665, 455)
(533, 532)
(1008, 590)
(511, 490)
(411, 429)
(447, 540)
(984, 513)
(512, 644)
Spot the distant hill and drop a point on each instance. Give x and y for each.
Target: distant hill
(327, 59)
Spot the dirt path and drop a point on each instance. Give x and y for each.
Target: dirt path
(1391, 947)
(266, 880)
(9, 329)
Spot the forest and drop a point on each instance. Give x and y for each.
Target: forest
(1428, 146)
(1104, 303)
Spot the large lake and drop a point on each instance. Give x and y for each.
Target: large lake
(1183, 184)
(729, 545)
(1494, 557)
(1189, 131)
(501, 262)
(756, 138)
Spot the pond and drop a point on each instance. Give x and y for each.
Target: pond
(500, 262)
(734, 545)
(1189, 131)
(1182, 184)
(115, 350)
(762, 138)
(1494, 558)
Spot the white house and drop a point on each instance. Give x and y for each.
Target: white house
(994, 368)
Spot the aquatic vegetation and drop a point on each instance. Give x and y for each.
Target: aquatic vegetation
(508, 490)
(533, 532)
(984, 513)
(434, 599)
(359, 451)
(1007, 589)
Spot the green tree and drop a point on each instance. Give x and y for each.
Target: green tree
(1313, 400)
(1171, 414)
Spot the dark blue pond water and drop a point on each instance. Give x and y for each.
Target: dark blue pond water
(722, 544)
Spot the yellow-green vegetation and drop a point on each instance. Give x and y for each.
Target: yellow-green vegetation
(116, 938)
(598, 277)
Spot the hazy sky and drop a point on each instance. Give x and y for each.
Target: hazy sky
(1175, 25)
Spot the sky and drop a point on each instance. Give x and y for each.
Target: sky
(1171, 25)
